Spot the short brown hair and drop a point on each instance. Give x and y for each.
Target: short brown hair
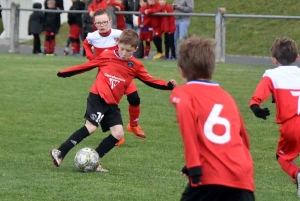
(101, 12)
(284, 50)
(197, 57)
(129, 37)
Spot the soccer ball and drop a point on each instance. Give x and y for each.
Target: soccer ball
(86, 160)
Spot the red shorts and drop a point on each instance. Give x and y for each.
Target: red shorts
(75, 31)
(289, 142)
(146, 35)
(131, 88)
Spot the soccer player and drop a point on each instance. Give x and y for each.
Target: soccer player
(106, 38)
(284, 84)
(146, 32)
(218, 163)
(116, 70)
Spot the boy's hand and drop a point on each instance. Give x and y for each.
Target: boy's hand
(260, 113)
(91, 13)
(173, 82)
(146, 12)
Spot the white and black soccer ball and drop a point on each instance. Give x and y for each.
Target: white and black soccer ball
(86, 160)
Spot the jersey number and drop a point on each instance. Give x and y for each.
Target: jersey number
(297, 93)
(213, 119)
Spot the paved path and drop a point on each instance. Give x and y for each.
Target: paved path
(231, 59)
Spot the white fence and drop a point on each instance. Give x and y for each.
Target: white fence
(220, 24)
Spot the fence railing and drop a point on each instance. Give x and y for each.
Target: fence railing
(220, 24)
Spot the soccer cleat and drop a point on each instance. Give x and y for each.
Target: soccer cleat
(139, 133)
(298, 183)
(121, 141)
(55, 154)
(158, 56)
(101, 169)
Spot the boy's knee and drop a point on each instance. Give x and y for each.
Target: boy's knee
(118, 134)
(90, 127)
(133, 99)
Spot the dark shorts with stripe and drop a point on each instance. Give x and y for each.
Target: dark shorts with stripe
(98, 112)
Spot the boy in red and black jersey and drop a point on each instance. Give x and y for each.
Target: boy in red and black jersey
(218, 163)
(117, 69)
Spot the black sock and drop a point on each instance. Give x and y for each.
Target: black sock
(73, 140)
(106, 145)
(158, 43)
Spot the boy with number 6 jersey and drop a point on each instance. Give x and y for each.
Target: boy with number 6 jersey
(218, 163)
(283, 83)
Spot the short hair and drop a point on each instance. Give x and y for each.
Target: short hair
(101, 12)
(284, 50)
(51, 1)
(196, 57)
(129, 37)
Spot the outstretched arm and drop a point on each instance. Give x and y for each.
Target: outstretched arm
(78, 69)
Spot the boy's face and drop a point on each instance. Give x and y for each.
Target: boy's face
(162, 2)
(51, 4)
(126, 51)
(151, 2)
(103, 23)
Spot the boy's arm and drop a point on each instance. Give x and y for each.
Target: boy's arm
(262, 92)
(188, 8)
(88, 50)
(186, 120)
(146, 78)
(78, 69)
(156, 9)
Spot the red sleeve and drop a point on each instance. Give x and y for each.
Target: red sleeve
(146, 78)
(262, 91)
(155, 9)
(243, 133)
(78, 69)
(186, 121)
(92, 6)
(88, 50)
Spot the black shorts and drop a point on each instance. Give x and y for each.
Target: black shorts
(98, 112)
(216, 193)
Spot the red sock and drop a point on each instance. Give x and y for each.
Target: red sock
(47, 47)
(147, 50)
(134, 113)
(289, 167)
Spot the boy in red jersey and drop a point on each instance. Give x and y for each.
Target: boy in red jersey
(106, 38)
(168, 27)
(97, 5)
(146, 32)
(284, 84)
(154, 7)
(218, 163)
(116, 70)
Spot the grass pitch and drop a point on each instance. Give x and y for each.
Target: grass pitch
(38, 111)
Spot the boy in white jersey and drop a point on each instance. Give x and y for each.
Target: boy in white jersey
(106, 38)
(284, 84)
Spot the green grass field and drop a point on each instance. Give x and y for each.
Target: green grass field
(39, 111)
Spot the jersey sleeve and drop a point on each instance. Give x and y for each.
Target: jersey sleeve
(186, 121)
(262, 91)
(146, 78)
(87, 45)
(78, 69)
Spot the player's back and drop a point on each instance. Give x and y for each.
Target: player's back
(224, 157)
(286, 91)
(101, 42)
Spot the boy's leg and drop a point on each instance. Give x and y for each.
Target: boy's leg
(47, 42)
(176, 34)
(183, 28)
(74, 35)
(134, 111)
(171, 43)
(167, 44)
(158, 43)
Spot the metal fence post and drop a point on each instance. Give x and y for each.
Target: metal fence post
(14, 28)
(220, 34)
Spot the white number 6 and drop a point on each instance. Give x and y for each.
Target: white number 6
(214, 119)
